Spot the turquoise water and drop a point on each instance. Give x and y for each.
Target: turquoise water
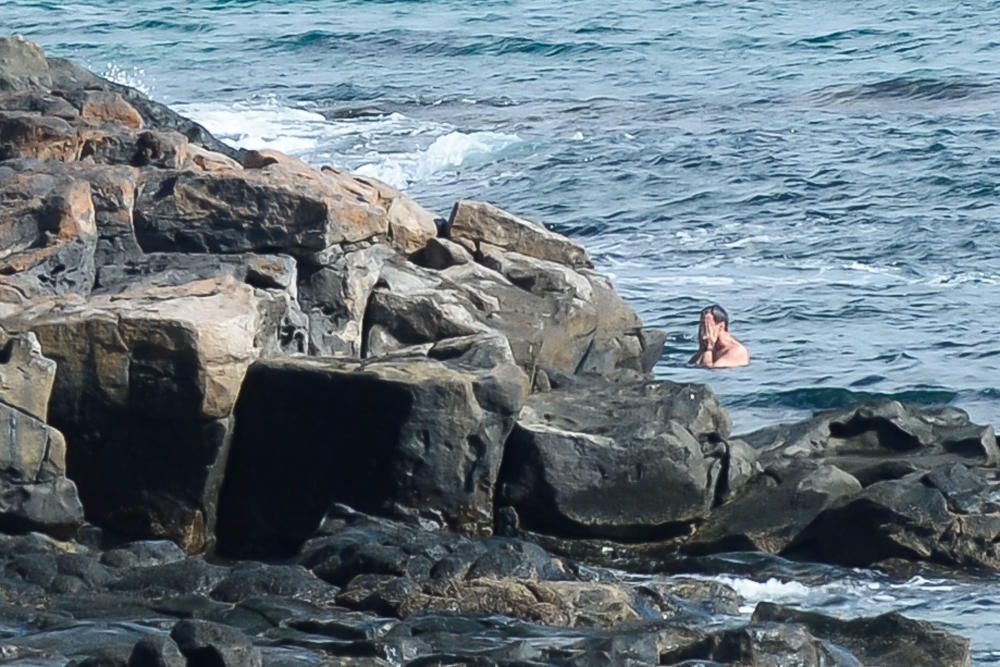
(828, 172)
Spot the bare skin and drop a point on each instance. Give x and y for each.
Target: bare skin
(717, 347)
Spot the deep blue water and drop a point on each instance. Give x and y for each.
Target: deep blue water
(829, 172)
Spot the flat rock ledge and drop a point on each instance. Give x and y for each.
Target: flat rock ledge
(206, 351)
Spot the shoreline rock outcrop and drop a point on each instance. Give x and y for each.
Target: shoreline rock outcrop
(212, 351)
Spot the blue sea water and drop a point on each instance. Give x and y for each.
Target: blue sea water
(829, 172)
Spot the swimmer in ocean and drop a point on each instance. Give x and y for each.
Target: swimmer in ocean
(717, 348)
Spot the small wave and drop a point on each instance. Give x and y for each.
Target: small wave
(260, 124)
(829, 398)
(904, 88)
(839, 36)
(433, 43)
(446, 153)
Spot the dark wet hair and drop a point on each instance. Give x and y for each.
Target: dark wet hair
(719, 314)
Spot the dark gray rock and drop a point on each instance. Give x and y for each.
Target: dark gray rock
(771, 511)
(24, 67)
(334, 297)
(247, 580)
(433, 434)
(156, 651)
(206, 644)
(188, 576)
(142, 554)
(352, 544)
(918, 517)
(891, 639)
(874, 434)
(621, 460)
(760, 643)
(258, 210)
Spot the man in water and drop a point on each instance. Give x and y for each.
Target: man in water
(717, 348)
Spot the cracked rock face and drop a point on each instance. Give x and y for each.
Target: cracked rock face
(35, 494)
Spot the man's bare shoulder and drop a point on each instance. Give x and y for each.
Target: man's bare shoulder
(735, 355)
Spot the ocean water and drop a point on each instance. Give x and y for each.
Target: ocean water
(829, 172)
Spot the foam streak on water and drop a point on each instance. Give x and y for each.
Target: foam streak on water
(829, 172)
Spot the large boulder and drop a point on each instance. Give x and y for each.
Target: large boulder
(630, 460)
(772, 509)
(255, 210)
(891, 639)
(864, 439)
(474, 223)
(419, 435)
(144, 390)
(947, 515)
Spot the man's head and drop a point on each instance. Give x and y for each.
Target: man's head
(718, 314)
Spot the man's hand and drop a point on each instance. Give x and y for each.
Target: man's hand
(708, 331)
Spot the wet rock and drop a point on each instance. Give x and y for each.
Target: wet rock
(890, 639)
(145, 385)
(478, 222)
(434, 433)
(204, 644)
(249, 580)
(432, 639)
(142, 554)
(759, 643)
(683, 596)
(887, 431)
(771, 511)
(350, 544)
(156, 651)
(614, 460)
(917, 517)
(188, 576)
(103, 643)
(567, 603)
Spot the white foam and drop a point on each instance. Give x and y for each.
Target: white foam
(260, 124)
(369, 145)
(134, 77)
(445, 154)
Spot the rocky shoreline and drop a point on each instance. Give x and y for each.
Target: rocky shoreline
(256, 413)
